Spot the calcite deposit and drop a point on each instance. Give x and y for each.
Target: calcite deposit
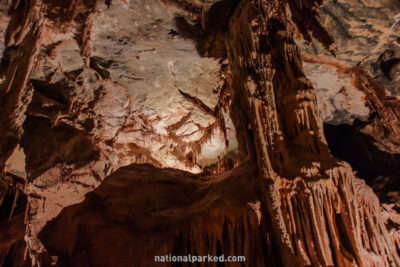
(135, 128)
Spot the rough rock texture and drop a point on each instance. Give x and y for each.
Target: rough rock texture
(365, 33)
(90, 86)
(357, 119)
(3, 23)
(97, 98)
(170, 211)
(292, 154)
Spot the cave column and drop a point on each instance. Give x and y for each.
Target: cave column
(315, 203)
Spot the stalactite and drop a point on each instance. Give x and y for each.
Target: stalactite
(378, 99)
(194, 9)
(285, 123)
(197, 221)
(313, 210)
(16, 93)
(31, 22)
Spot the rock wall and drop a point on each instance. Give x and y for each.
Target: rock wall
(315, 201)
(89, 87)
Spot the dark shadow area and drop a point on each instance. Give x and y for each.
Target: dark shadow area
(141, 211)
(55, 144)
(58, 92)
(379, 169)
(9, 54)
(14, 201)
(12, 227)
(210, 35)
(387, 61)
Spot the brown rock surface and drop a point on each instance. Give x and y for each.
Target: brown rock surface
(89, 87)
(144, 211)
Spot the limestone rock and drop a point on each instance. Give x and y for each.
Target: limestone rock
(196, 127)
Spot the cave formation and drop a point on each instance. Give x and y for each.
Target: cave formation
(135, 128)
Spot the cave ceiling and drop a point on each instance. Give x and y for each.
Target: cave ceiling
(96, 92)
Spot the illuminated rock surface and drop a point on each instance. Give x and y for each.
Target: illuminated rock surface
(135, 128)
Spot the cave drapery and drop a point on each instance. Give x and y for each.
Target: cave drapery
(308, 208)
